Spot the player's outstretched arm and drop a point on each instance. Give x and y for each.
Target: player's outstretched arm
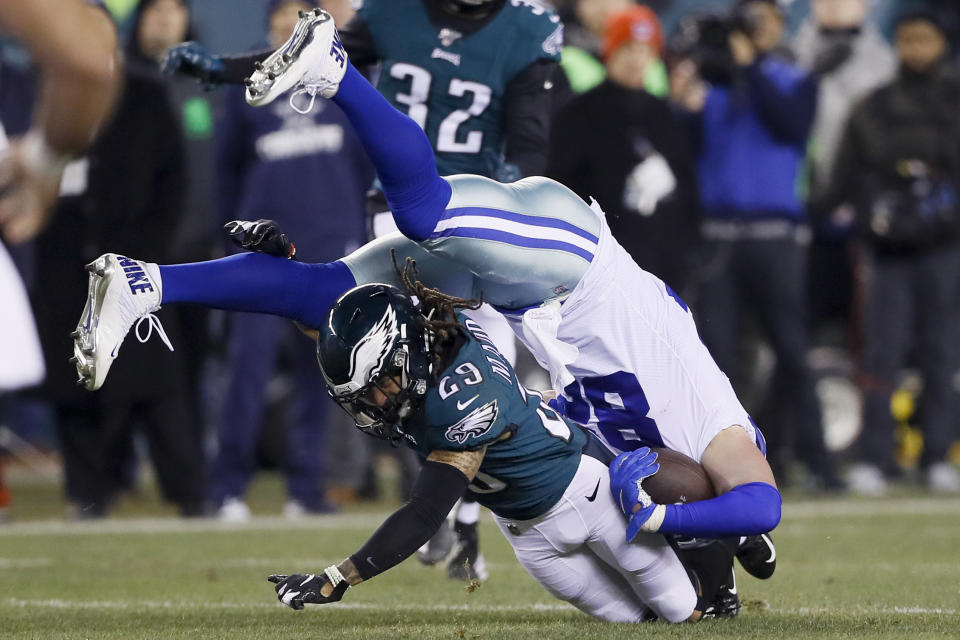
(211, 69)
(74, 47)
(442, 481)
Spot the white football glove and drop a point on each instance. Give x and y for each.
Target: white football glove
(650, 182)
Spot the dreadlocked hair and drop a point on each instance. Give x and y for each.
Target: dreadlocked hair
(439, 309)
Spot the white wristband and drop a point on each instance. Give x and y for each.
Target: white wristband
(40, 158)
(653, 523)
(333, 573)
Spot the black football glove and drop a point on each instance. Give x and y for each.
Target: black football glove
(299, 589)
(261, 236)
(193, 59)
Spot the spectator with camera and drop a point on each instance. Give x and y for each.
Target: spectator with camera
(751, 112)
(899, 163)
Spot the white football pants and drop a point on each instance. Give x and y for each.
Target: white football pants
(579, 553)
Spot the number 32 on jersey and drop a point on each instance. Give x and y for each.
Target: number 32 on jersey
(417, 109)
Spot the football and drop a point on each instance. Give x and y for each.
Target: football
(680, 479)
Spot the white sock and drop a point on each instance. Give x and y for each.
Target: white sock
(468, 513)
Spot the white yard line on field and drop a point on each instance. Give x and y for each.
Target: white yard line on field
(867, 508)
(25, 563)
(124, 605)
(258, 562)
(792, 512)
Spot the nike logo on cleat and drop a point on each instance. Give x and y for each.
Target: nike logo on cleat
(593, 496)
(773, 549)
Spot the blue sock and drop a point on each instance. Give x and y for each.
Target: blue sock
(259, 283)
(400, 151)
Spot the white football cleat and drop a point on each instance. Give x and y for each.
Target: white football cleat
(120, 292)
(234, 510)
(867, 480)
(313, 60)
(943, 478)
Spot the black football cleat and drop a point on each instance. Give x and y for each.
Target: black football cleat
(726, 604)
(758, 556)
(467, 563)
(439, 547)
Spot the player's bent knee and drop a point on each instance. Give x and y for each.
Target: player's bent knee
(767, 503)
(675, 605)
(612, 610)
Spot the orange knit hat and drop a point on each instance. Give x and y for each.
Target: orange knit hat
(638, 23)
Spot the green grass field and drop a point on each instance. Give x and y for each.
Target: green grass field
(846, 569)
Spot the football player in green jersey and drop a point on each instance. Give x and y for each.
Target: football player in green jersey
(425, 375)
(481, 78)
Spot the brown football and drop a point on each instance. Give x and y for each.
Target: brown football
(680, 479)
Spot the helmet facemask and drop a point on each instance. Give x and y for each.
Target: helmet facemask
(380, 407)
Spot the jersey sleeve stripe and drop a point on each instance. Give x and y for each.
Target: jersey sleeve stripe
(514, 239)
(450, 216)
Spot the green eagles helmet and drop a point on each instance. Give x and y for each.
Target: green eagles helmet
(374, 352)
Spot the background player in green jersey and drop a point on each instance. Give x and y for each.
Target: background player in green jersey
(428, 377)
(479, 76)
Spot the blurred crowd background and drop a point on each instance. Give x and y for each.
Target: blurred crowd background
(791, 168)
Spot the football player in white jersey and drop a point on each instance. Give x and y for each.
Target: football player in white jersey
(621, 347)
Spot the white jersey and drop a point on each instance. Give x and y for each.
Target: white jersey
(622, 349)
(630, 364)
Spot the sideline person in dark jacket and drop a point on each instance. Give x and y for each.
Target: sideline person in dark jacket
(155, 26)
(751, 127)
(625, 147)
(308, 172)
(126, 193)
(899, 163)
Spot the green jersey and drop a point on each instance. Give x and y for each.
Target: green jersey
(476, 401)
(453, 85)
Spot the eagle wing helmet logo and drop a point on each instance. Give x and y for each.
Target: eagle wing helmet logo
(474, 424)
(370, 353)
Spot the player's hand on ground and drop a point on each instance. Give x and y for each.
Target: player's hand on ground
(193, 59)
(261, 236)
(29, 185)
(299, 589)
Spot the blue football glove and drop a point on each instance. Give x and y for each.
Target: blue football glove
(299, 589)
(193, 59)
(627, 472)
